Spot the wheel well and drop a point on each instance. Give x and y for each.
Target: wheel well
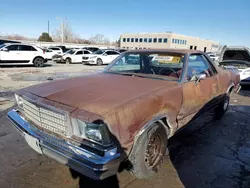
(231, 89)
(164, 122)
(37, 57)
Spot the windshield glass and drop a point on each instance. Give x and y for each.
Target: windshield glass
(70, 52)
(99, 52)
(154, 65)
(2, 45)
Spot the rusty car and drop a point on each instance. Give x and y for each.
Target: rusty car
(124, 114)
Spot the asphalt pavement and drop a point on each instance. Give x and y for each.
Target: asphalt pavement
(206, 154)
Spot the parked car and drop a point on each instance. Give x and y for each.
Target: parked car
(122, 50)
(3, 41)
(100, 57)
(126, 113)
(237, 56)
(56, 50)
(22, 54)
(48, 53)
(64, 49)
(74, 56)
(92, 49)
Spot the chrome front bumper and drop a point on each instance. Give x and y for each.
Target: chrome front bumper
(76, 157)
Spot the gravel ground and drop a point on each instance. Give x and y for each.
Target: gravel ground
(206, 154)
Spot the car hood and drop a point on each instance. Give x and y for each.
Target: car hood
(97, 93)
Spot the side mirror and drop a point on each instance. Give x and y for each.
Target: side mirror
(5, 49)
(200, 77)
(105, 54)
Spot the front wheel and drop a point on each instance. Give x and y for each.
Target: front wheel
(38, 62)
(99, 62)
(150, 148)
(68, 60)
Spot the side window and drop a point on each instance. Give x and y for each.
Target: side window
(26, 48)
(112, 53)
(79, 52)
(12, 47)
(130, 62)
(198, 64)
(86, 52)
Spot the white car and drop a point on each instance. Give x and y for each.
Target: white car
(74, 55)
(22, 54)
(100, 57)
(56, 50)
(49, 53)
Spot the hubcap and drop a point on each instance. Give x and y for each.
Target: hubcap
(154, 151)
(39, 62)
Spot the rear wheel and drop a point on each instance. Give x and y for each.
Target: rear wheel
(99, 61)
(222, 107)
(150, 148)
(38, 62)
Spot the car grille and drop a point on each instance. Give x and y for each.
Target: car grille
(45, 118)
(85, 58)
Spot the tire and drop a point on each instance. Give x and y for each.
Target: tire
(38, 62)
(144, 162)
(99, 62)
(222, 107)
(68, 60)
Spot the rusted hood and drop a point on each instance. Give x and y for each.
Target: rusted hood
(97, 93)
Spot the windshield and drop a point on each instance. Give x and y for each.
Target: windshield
(154, 65)
(70, 52)
(99, 52)
(2, 45)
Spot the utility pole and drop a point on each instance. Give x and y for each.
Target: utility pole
(48, 27)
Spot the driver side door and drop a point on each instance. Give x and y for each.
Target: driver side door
(11, 55)
(78, 56)
(198, 95)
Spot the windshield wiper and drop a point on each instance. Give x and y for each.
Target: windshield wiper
(134, 74)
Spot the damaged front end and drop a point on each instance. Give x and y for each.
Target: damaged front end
(83, 146)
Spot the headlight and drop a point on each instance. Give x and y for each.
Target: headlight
(19, 101)
(96, 132)
(92, 57)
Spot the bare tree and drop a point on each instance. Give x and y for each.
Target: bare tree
(67, 33)
(97, 39)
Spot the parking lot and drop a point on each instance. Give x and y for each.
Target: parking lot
(207, 154)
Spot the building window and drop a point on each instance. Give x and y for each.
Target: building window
(175, 41)
(165, 40)
(136, 40)
(195, 47)
(150, 40)
(145, 39)
(124, 39)
(160, 40)
(132, 39)
(140, 39)
(172, 40)
(128, 39)
(185, 42)
(155, 40)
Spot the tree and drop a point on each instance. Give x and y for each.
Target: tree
(97, 39)
(45, 37)
(68, 35)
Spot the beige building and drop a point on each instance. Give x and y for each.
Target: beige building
(166, 40)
